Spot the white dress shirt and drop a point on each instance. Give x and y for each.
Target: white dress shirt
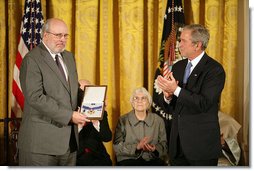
(194, 63)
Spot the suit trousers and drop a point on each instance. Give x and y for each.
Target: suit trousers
(36, 159)
(181, 160)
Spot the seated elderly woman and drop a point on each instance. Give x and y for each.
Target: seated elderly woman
(140, 136)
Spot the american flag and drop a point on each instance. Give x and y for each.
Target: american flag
(30, 37)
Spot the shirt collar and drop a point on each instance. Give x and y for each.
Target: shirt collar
(134, 120)
(53, 55)
(196, 60)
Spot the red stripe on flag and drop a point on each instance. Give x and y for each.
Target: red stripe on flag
(18, 60)
(18, 94)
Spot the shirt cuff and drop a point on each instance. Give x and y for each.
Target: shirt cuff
(177, 91)
(167, 100)
(80, 128)
(97, 126)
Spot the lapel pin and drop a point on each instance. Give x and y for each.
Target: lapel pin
(195, 75)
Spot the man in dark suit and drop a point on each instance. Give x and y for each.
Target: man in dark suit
(48, 134)
(194, 90)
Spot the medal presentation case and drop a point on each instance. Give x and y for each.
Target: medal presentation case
(94, 101)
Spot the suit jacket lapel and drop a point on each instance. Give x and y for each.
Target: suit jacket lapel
(72, 77)
(52, 65)
(68, 64)
(197, 71)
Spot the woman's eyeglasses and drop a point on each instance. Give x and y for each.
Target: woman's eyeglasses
(142, 99)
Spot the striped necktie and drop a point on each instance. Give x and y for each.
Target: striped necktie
(60, 67)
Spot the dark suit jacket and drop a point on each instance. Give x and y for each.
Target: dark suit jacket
(49, 103)
(92, 151)
(195, 116)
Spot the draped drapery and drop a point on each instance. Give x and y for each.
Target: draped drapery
(116, 43)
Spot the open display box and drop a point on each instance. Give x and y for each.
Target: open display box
(94, 101)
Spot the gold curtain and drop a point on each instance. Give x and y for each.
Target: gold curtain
(116, 43)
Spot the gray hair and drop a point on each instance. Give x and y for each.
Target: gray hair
(145, 92)
(198, 34)
(45, 27)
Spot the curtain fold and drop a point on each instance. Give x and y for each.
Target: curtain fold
(230, 100)
(106, 67)
(3, 66)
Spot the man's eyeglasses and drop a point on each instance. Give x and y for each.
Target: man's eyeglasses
(142, 99)
(59, 35)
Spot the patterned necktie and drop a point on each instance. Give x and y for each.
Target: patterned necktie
(187, 72)
(60, 67)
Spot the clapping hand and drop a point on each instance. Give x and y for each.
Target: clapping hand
(149, 147)
(144, 145)
(168, 84)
